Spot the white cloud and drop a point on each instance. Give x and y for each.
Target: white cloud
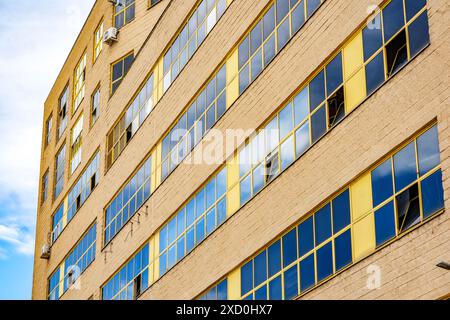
(35, 43)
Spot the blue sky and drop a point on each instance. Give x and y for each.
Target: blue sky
(35, 41)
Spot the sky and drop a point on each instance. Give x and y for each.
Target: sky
(34, 43)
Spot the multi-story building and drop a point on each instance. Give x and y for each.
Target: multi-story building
(328, 123)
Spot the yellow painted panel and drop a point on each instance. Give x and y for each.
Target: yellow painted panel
(154, 249)
(233, 187)
(232, 66)
(355, 90)
(61, 278)
(234, 285)
(353, 56)
(363, 237)
(361, 196)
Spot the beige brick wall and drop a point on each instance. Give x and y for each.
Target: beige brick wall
(413, 98)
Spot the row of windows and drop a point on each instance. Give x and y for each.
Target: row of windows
(77, 261)
(124, 12)
(280, 23)
(131, 280)
(322, 244)
(129, 200)
(306, 118)
(119, 69)
(130, 122)
(77, 196)
(203, 113)
(194, 32)
(218, 292)
(197, 219)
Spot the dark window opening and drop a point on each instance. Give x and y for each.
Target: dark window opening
(70, 278)
(408, 208)
(137, 287)
(336, 108)
(93, 182)
(129, 134)
(272, 166)
(396, 53)
(78, 202)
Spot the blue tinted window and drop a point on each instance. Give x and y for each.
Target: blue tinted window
(324, 262)
(283, 33)
(312, 6)
(372, 37)
(289, 248)
(382, 183)
(258, 178)
(317, 91)
(301, 106)
(275, 289)
(306, 236)
(291, 283)
(302, 138)
(244, 79)
(334, 74)
(307, 273)
(322, 219)
(375, 73)
(287, 152)
(393, 18)
(413, 7)
(282, 9)
(274, 252)
(298, 17)
(432, 194)
(247, 277)
(269, 22)
(222, 290)
(428, 150)
(405, 167)
(384, 224)
(341, 211)
(200, 229)
(343, 250)
(319, 124)
(261, 293)
(244, 51)
(246, 189)
(260, 264)
(419, 34)
(286, 121)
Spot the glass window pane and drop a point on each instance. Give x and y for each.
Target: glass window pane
(243, 52)
(298, 17)
(247, 277)
(405, 167)
(258, 178)
(244, 79)
(283, 34)
(307, 273)
(408, 208)
(375, 73)
(302, 140)
(419, 34)
(256, 64)
(322, 220)
(301, 106)
(291, 283)
(393, 18)
(343, 250)
(413, 7)
(289, 248)
(274, 252)
(319, 124)
(306, 236)
(341, 211)
(275, 289)
(312, 6)
(261, 293)
(282, 9)
(256, 37)
(286, 121)
(269, 50)
(385, 223)
(334, 74)
(269, 22)
(246, 191)
(222, 290)
(382, 187)
(428, 150)
(200, 230)
(317, 91)
(372, 37)
(324, 262)
(260, 265)
(432, 194)
(287, 153)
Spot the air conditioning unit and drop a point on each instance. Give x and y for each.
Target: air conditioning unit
(45, 252)
(110, 35)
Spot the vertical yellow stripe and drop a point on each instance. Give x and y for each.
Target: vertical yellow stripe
(234, 284)
(232, 66)
(233, 187)
(155, 257)
(353, 56)
(61, 279)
